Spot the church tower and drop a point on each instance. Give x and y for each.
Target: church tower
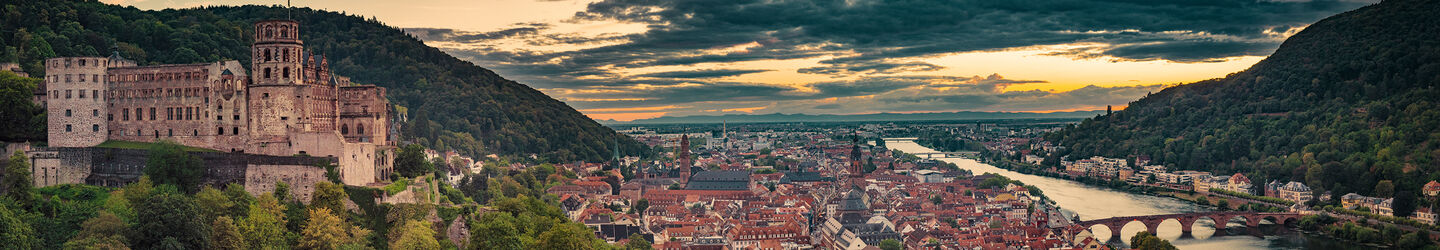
(276, 91)
(856, 169)
(684, 158)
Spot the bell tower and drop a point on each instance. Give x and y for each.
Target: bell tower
(275, 90)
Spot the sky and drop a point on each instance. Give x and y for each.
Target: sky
(635, 59)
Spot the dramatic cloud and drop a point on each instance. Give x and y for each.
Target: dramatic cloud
(871, 50)
(711, 73)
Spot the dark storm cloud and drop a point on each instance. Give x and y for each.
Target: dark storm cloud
(450, 35)
(873, 38)
(704, 73)
(866, 36)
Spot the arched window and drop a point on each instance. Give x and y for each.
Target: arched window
(269, 32)
(284, 31)
(195, 132)
(360, 129)
(344, 129)
(219, 130)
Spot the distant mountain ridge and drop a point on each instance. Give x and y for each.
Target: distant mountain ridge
(877, 117)
(1350, 104)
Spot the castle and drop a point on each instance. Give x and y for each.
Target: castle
(289, 104)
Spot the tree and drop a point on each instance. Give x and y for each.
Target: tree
(101, 231)
(213, 203)
(891, 244)
(264, 226)
(495, 231)
(329, 195)
(415, 234)
(638, 242)
(1413, 240)
(15, 232)
(170, 164)
(411, 162)
(170, 217)
(1144, 241)
(324, 230)
(24, 121)
(1223, 204)
(1385, 189)
(17, 181)
(566, 236)
(225, 235)
(640, 207)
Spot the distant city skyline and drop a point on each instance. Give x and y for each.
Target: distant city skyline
(631, 59)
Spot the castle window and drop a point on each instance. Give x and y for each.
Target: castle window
(67, 94)
(95, 78)
(360, 129)
(286, 56)
(109, 117)
(286, 73)
(82, 77)
(95, 112)
(237, 117)
(169, 114)
(269, 33)
(269, 55)
(94, 94)
(285, 31)
(152, 115)
(265, 95)
(219, 130)
(344, 129)
(82, 63)
(82, 92)
(125, 114)
(157, 133)
(67, 113)
(219, 118)
(267, 73)
(94, 127)
(195, 132)
(171, 132)
(67, 127)
(234, 130)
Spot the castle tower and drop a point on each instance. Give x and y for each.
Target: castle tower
(275, 92)
(76, 112)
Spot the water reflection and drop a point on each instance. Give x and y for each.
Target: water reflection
(1098, 203)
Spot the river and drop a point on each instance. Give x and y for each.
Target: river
(1097, 203)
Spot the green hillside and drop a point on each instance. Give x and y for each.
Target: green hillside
(1347, 105)
(452, 104)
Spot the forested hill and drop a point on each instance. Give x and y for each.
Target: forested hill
(451, 103)
(1347, 105)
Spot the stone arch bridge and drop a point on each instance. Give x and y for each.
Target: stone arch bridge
(1152, 222)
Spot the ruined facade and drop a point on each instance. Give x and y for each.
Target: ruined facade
(287, 103)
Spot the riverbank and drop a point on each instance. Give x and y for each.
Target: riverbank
(1091, 201)
(1342, 229)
